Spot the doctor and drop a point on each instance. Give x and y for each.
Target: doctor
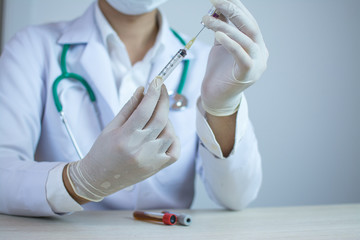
(146, 156)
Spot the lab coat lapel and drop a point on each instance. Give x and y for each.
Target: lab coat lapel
(97, 67)
(94, 63)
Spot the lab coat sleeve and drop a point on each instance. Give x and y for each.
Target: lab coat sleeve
(58, 197)
(22, 96)
(232, 182)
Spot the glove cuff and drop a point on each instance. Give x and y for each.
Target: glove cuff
(79, 184)
(224, 111)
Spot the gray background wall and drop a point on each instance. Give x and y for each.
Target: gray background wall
(306, 106)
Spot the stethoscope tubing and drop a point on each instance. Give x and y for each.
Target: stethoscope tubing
(71, 135)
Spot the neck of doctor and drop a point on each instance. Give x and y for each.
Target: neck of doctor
(138, 33)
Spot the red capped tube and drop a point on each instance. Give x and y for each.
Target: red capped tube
(166, 218)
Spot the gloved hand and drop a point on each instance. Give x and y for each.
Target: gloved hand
(237, 59)
(139, 142)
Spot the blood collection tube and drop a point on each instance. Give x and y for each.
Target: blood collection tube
(182, 218)
(166, 218)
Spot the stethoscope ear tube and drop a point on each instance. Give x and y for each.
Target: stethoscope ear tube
(66, 75)
(59, 107)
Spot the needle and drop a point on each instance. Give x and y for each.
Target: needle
(190, 43)
(199, 32)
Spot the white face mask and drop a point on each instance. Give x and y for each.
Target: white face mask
(135, 7)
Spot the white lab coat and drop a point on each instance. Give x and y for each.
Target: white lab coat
(33, 140)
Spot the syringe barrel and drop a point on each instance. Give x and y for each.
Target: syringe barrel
(173, 63)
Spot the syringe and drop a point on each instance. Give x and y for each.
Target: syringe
(169, 68)
(180, 55)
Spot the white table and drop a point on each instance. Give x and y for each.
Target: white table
(308, 222)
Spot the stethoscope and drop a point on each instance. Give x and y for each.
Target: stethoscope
(177, 100)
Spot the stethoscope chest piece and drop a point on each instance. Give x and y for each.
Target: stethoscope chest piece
(178, 102)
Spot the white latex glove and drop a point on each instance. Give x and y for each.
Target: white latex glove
(237, 59)
(139, 142)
